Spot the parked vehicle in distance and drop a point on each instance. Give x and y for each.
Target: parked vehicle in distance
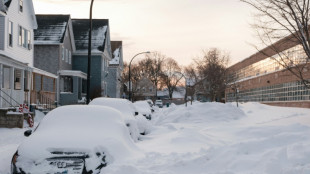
(135, 122)
(150, 102)
(78, 139)
(159, 103)
(144, 108)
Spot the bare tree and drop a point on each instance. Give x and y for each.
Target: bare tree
(287, 20)
(212, 72)
(136, 75)
(192, 77)
(152, 67)
(171, 75)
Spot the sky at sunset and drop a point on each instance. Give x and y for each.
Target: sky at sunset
(177, 28)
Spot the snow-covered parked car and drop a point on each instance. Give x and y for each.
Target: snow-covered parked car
(159, 103)
(74, 139)
(144, 108)
(137, 124)
(150, 102)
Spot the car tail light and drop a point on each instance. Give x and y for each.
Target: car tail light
(14, 159)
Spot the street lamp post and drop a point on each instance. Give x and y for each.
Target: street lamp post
(129, 73)
(89, 51)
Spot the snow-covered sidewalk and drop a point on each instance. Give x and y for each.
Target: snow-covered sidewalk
(215, 138)
(210, 138)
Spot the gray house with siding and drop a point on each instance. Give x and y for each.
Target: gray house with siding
(101, 52)
(116, 66)
(53, 50)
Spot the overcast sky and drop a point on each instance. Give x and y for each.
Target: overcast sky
(177, 28)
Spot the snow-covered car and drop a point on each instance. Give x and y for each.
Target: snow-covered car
(144, 108)
(159, 103)
(150, 102)
(136, 122)
(74, 139)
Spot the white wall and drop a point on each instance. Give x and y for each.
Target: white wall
(26, 20)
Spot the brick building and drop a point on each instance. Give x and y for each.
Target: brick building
(262, 78)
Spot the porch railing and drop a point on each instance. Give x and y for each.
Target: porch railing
(43, 99)
(9, 99)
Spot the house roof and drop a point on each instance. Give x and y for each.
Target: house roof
(51, 29)
(99, 34)
(116, 47)
(4, 5)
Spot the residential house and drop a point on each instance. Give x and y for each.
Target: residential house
(53, 50)
(17, 22)
(100, 50)
(116, 66)
(178, 95)
(144, 89)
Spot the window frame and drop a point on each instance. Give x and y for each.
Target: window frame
(10, 34)
(21, 6)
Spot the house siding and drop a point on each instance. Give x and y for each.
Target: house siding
(112, 83)
(63, 65)
(46, 57)
(2, 32)
(80, 63)
(24, 19)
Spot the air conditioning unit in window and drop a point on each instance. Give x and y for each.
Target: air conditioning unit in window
(29, 46)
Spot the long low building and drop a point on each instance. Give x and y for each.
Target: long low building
(263, 78)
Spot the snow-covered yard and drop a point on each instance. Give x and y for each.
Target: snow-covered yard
(210, 138)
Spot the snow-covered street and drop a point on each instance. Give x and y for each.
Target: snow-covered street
(209, 138)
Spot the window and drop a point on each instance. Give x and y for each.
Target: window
(70, 58)
(6, 77)
(24, 38)
(21, 6)
(20, 35)
(63, 53)
(26, 73)
(29, 40)
(67, 55)
(151, 89)
(10, 41)
(17, 79)
(66, 84)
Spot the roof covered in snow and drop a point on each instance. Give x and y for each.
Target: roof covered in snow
(81, 32)
(179, 93)
(51, 29)
(116, 50)
(4, 5)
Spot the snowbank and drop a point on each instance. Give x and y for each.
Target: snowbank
(208, 138)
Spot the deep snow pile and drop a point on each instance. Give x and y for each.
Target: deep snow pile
(212, 138)
(10, 140)
(215, 138)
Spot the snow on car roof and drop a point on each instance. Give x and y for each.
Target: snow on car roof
(123, 105)
(79, 128)
(143, 107)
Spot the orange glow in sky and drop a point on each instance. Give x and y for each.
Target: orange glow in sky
(177, 28)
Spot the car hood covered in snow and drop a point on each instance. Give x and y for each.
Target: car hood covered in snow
(78, 130)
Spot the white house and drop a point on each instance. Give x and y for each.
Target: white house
(17, 22)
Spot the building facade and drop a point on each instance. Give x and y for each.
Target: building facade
(53, 50)
(17, 22)
(100, 50)
(116, 66)
(263, 78)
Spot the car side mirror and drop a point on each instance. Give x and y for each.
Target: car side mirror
(27, 133)
(136, 113)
